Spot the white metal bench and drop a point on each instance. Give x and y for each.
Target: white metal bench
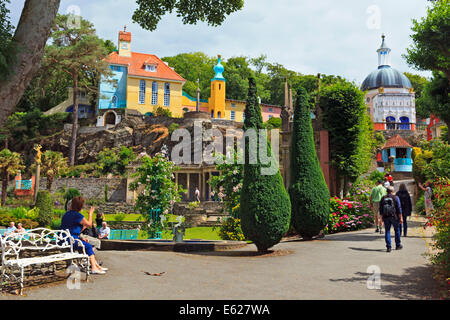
(39, 240)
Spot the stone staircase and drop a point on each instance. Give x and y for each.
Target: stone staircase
(206, 215)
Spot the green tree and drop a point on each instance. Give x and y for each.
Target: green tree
(265, 206)
(52, 164)
(10, 164)
(24, 128)
(430, 48)
(150, 12)
(436, 98)
(229, 182)
(115, 160)
(45, 205)
(33, 31)
(76, 51)
(5, 38)
(310, 198)
(344, 116)
(69, 195)
(156, 188)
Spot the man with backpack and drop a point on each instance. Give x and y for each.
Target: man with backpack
(391, 212)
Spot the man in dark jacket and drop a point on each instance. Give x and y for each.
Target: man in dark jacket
(391, 212)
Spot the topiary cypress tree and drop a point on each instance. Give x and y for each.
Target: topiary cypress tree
(265, 206)
(45, 204)
(310, 198)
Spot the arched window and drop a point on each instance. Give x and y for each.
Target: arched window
(185, 109)
(166, 94)
(142, 92)
(212, 114)
(390, 123)
(154, 93)
(219, 115)
(404, 123)
(114, 102)
(110, 118)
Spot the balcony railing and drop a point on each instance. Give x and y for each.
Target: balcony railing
(398, 125)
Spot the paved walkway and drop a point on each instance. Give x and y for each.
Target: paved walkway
(331, 268)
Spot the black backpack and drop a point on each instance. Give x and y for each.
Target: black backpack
(389, 208)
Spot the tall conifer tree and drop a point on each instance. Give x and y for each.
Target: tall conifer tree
(265, 205)
(310, 198)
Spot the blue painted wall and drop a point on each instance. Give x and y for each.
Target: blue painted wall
(109, 90)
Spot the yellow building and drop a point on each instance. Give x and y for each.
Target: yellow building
(143, 82)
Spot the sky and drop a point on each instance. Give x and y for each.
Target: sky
(307, 36)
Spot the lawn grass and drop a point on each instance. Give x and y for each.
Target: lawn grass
(204, 233)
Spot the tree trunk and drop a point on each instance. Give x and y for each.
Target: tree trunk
(30, 38)
(4, 186)
(73, 140)
(49, 183)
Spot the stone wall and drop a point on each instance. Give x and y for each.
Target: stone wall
(116, 207)
(91, 188)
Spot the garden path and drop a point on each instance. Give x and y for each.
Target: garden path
(335, 267)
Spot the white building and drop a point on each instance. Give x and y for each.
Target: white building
(390, 97)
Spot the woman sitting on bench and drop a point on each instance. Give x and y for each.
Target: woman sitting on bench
(75, 222)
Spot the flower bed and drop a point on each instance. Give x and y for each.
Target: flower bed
(347, 215)
(440, 219)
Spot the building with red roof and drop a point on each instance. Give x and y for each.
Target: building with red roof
(143, 82)
(400, 151)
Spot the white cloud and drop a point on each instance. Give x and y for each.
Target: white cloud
(308, 36)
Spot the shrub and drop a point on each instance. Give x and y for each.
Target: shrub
(5, 219)
(348, 216)
(420, 205)
(173, 126)
(58, 213)
(376, 175)
(440, 219)
(231, 230)
(55, 224)
(45, 205)
(32, 214)
(308, 192)
(28, 223)
(265, 206)
(194, 204)
(162, 112)
(120, 217)
(69, 195)
(19, 213)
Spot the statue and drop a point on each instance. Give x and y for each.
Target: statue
(37, 158)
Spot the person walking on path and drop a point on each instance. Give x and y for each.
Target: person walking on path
(428, 197)
(197, 194)
(405, 202)
(391, 211)
(378, 192)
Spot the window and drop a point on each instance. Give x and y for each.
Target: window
(219, 115)
(243, 116)
(233, 115)
(212, 114)
(114, 101)
(270, 116)
(401, 153)
(150, 67)
(167, 95)
(142, 92)
(154, 93)
(270, 109)
(233, 105)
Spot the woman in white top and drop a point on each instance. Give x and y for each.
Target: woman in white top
(428, 193)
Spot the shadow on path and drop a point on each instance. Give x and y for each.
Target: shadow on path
(365, 249)
(414, 283)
